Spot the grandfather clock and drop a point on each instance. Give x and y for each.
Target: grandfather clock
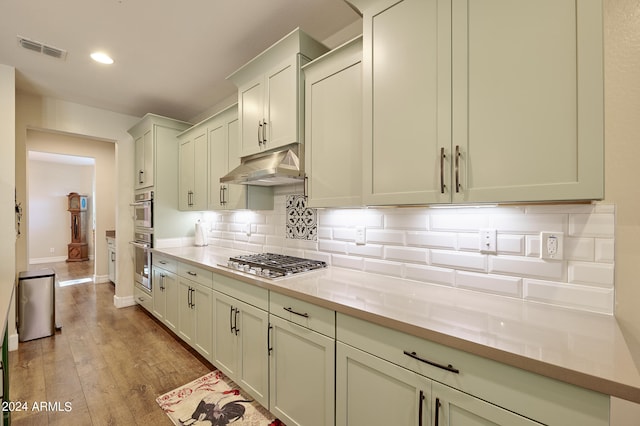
(78, 249)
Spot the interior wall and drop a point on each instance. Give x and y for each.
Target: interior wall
(36, 113)
(105, 183)
(49, 220)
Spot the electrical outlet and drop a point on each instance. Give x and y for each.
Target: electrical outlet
(247, 229)
(361, 235)
(488, 240)
(552, 245)
(52, 250)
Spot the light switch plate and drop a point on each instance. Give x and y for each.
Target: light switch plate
(361, 235)
(552, 245)
(488, 240)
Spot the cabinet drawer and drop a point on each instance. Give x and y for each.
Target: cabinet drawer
(538, 397)
(251, 294)
(306, 314)
(165, 263)
(143, 298)
(196, 274)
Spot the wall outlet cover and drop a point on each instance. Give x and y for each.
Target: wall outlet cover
(361, 235)
(488, 241)
(552, 245)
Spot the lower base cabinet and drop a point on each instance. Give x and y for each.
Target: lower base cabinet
(195, 319)
(301, 368)
(240, 345)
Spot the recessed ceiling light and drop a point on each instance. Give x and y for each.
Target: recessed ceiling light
(101, 57)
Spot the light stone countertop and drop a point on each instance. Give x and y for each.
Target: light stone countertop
(585, 349)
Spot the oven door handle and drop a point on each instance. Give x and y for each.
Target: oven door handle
(140, 245)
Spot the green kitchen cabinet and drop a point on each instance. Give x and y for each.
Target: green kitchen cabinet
(301, 362)
(483, 101)
(240, 335)
(195, 308)
(271, 94)
(165, 291)
(224, 155)
(333, 127)
(193, 168)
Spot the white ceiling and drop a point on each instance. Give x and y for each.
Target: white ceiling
(171, 57)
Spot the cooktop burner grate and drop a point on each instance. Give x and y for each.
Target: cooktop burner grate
(271, 265)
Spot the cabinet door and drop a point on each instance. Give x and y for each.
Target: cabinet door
(218, 163)
(203, 334)
(200, 172)
(159, 294)
(186, 173)
(528, 99)
(251, 115)
(253, 367)
(172, 303)
(281, 104)
(455, 408)
(371, 391)
(333, 129)
(225, 346)
(143, 147)
(235, 196)
(186, 313)
(302, 365)
(407, 102)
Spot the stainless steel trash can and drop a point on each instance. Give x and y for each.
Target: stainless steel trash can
(36, 304)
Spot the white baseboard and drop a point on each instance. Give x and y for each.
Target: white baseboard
(52, 259)
(100, 279)
(13, 342)
(123, 302)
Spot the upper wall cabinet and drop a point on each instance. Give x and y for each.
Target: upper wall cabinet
(333, 127)
(482, 101)
(192, 186)
(151, 133)
(271, 94)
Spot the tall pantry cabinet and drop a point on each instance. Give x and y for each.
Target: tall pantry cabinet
(482, 101)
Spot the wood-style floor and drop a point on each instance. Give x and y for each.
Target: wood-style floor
(108, 364)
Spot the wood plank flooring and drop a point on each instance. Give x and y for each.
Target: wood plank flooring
(107, 364)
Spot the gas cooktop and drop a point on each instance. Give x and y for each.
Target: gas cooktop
(271, 265)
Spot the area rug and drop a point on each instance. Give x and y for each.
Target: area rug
(214, 400)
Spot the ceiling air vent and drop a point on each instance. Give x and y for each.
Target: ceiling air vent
(36, 46)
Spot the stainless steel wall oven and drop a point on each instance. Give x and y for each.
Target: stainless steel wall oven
(143, 210)
(142, 244)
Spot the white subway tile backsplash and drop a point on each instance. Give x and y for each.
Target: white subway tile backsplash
(350, 262)
(443, 240)
(599, 274)
(525, 266)
(405, 221)
(442, 246)
(370, 250)
(529, 223)
(383, 267)
(579, 249)
(592, 225)
(498, 284)
(430, 274)
(383, 236)
(604, 251)
(510, 244)
(570, 295)
(452, 259)
(405, 254)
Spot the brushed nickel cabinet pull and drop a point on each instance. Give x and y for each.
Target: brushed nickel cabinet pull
(420, 404)
(305, 315)
(435, 364)
(264, 132)
(231, 327)
(457, 162)
(259, 128)
(140, 176)
(442, 157)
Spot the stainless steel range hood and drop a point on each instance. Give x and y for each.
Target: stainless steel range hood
(279, 167)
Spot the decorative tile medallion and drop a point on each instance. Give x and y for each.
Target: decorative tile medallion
(302, 222)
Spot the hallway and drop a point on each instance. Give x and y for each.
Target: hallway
(106, 366)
